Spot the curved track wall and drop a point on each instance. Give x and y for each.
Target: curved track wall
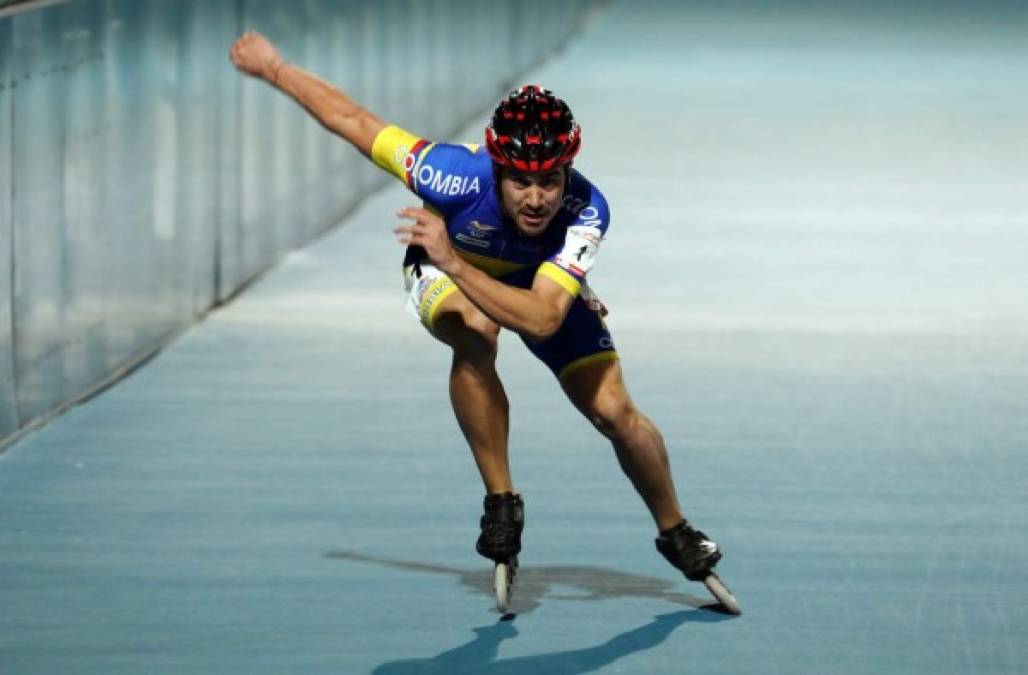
(142, 180)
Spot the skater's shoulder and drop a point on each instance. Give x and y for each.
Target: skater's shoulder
(584, 205)
(440, 173)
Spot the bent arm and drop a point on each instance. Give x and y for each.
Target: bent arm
(536, 313)
(254, 55)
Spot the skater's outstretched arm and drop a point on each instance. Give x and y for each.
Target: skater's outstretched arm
(256, 56)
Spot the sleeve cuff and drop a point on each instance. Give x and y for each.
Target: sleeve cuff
(390, 149)
(566, 281)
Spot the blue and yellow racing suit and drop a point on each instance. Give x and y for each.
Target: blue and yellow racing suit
(457, 181)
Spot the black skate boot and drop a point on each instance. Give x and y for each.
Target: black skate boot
(689, 550)
(502, 522)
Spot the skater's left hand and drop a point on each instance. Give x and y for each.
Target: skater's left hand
(254, 55)
(428, 231)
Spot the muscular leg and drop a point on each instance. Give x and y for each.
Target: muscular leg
(598, 391)
(477, 395)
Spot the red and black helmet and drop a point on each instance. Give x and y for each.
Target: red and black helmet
(532, 130)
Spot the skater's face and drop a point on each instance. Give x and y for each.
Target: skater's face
(532, 199)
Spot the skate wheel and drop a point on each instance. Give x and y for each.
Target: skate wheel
(504, 579)
(718, 589)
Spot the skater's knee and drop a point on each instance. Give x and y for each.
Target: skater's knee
(484, 329)
(473, 336)
(477, 348)
(613, 416)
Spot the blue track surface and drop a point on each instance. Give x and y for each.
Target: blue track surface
(816, 273)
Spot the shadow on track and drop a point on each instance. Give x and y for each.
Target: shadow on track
(536, 583)
(479, 655)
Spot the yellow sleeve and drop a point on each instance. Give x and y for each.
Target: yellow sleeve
(396, 151)
(566, 281)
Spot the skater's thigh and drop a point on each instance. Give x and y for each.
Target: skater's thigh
(448, 315)
(597, 387)
(582, 342)
(464, 327)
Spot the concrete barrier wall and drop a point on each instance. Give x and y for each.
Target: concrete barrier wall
(142, 180)
(8, 408)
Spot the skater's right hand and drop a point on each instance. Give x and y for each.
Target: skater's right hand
(254, 55)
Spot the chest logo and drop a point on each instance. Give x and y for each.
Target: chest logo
(473, 240)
